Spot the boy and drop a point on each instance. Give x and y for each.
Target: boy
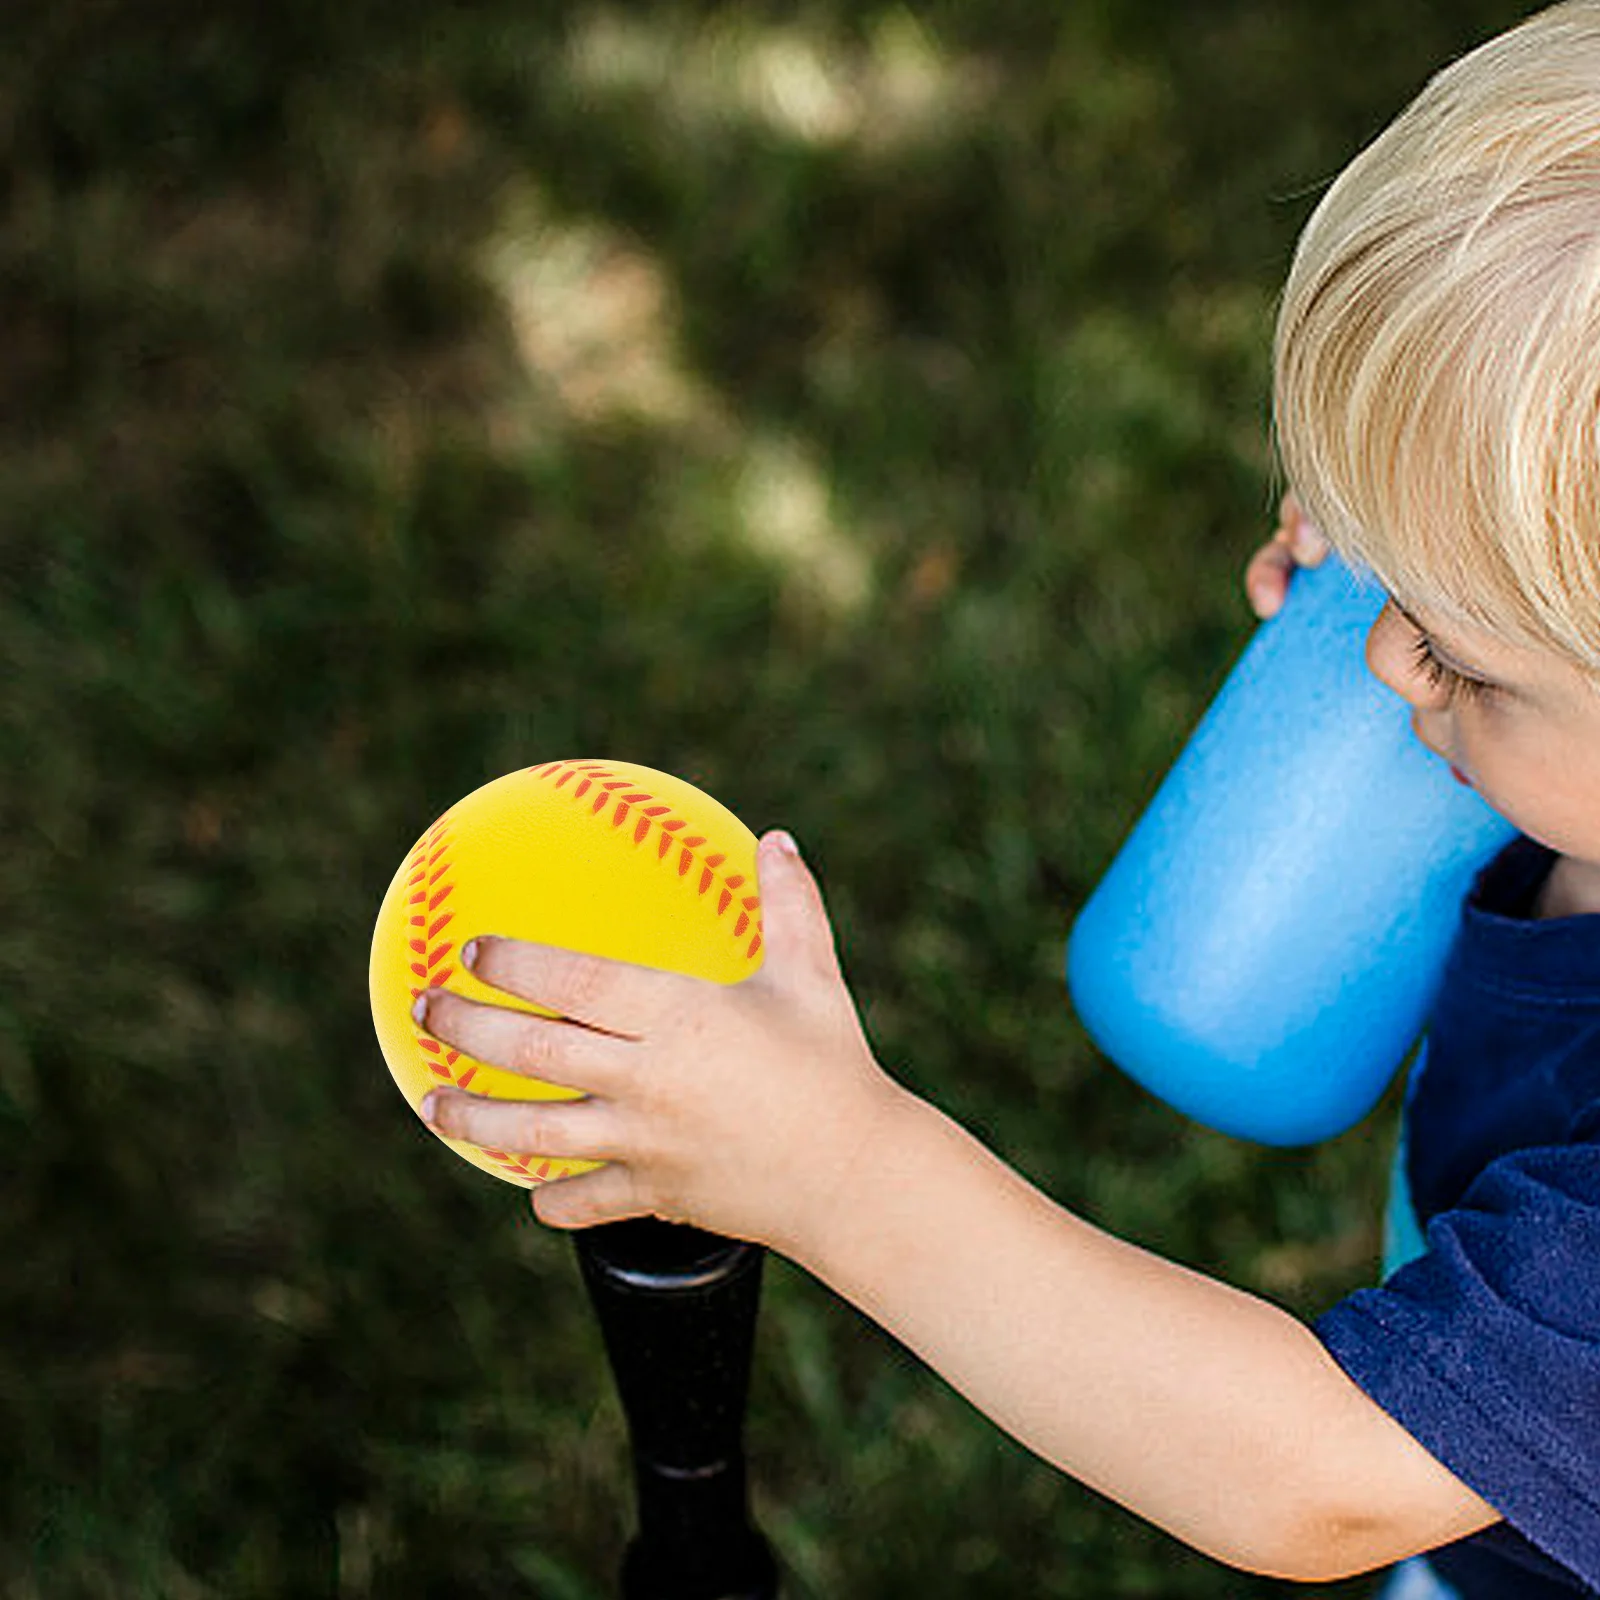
(1438, 408)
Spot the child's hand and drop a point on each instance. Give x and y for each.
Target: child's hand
(742, 1108)
(1297, 543)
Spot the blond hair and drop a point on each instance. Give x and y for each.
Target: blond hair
(1437, 359)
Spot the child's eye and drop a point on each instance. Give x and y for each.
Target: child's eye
(1456, 684)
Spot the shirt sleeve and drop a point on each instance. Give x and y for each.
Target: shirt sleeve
(1486, 1348)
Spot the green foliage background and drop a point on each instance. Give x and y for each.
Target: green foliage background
(859, 410)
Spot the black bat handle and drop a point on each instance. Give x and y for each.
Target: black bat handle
(677, 1309)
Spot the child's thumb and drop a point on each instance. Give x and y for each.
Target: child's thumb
(796, 936)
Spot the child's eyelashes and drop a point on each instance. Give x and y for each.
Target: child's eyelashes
(1456, 684)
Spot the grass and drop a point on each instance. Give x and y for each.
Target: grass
(859, 411)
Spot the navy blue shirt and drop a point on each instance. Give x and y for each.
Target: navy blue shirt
(1486, 1348)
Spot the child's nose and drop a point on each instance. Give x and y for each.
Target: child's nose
(1392, 660)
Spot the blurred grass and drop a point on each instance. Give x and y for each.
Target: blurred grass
(859, 411)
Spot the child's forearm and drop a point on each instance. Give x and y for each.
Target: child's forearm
(1212, 1413)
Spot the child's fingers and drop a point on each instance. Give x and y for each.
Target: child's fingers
(550, 1048)
(1266, 579)
(1298, 542)
(1304, 538)
(1308, 543)
(606, 1195)
(577, 1130)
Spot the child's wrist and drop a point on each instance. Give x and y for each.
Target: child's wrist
(840, 1196)
(861, 1218)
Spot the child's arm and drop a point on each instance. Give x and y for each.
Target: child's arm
(1214, 1414)
(758, 1110)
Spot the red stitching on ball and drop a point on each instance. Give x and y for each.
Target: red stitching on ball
(657, 814)
(518, 1165)
(431, 863)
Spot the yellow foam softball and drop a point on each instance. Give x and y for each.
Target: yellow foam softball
(606, 857)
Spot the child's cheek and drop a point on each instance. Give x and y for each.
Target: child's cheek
(1513, 782)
